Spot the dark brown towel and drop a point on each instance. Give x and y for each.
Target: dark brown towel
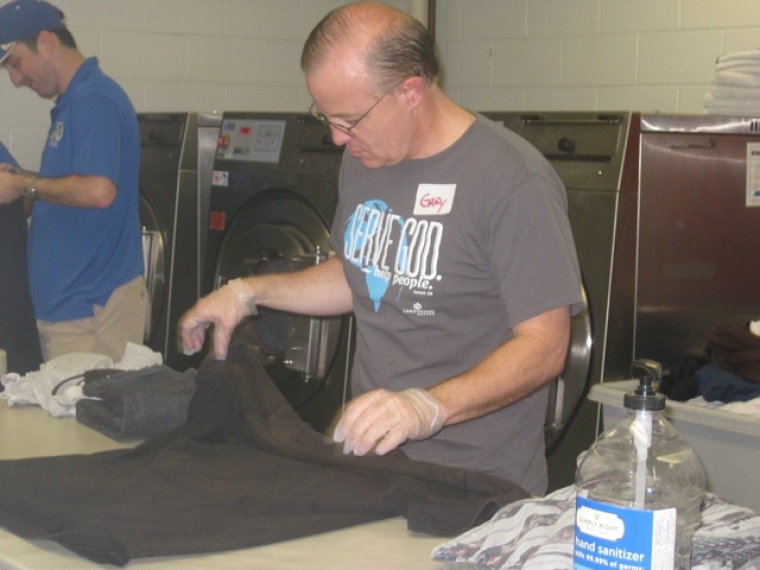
(734, 347)
(243, 471)
(137, 404)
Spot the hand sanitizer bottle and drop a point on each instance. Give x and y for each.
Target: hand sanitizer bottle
(640, 488)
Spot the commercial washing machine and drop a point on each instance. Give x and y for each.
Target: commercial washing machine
(596, 156)
(177, 151)
(273, 197)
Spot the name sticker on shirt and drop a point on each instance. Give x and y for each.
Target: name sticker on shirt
(434, 199)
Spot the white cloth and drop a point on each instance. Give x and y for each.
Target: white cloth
(734, 108)
(748, 68)
(36, 387)
(750, 95)
(748, 408)
(737, 79)
(736, 86)
(739, 57)
(538, 534)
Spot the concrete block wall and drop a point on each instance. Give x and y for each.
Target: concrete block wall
(646, 55)
(217, 55)
(179, 55)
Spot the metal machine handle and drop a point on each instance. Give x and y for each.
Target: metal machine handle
(153, 273)
(710, 143)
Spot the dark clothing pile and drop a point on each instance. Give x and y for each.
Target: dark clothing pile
(716, 384)
(18, 326)
(243, 471)
(734, 347)
(136, 404)
(727, 371)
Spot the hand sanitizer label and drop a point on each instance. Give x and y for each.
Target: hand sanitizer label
(619, 538)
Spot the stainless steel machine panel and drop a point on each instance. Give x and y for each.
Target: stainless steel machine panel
(175, 176)
(273, 196)
(699, 260)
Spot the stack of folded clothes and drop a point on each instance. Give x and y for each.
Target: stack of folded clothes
(136, 404)
(736, 87)
(726, 374)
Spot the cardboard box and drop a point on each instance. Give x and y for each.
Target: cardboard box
(727, 443)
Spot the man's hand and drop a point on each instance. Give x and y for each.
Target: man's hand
(224, 308)
(11, 184)
(383, 420)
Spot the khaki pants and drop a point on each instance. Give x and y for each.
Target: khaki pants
(107, 332)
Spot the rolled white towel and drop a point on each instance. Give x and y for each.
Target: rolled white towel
(749, 55)
(734, 112)
(732, 93)
(733, 108)
(745, 106)
(736, 79)
(746, 68)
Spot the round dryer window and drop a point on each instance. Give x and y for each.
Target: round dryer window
(279, 232)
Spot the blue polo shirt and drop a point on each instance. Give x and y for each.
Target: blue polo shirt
(78, 256)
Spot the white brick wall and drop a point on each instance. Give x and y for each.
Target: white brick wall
(180, 55)
(648, 55)
(177, 55)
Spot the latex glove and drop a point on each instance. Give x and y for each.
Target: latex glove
(224, 308)
(383, 420)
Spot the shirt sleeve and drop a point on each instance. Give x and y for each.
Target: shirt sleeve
(98, 135)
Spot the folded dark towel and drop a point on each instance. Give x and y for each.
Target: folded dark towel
(718, 384)
(734, 347)
(137, 404)
(243, 471)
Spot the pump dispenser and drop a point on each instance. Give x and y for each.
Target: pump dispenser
(640, 488)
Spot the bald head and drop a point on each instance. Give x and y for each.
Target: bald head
(389, 43)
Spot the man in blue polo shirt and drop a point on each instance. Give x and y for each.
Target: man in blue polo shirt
(85, 247)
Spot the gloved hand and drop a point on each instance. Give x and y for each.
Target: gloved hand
(224, 308)
(383, 420)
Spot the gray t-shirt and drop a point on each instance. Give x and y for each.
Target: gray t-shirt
(444, 256)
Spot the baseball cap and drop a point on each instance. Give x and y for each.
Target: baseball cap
(5, 49)
(23, 19)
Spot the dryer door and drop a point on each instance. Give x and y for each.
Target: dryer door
(569, 390)
(279, 231)
(154, 269)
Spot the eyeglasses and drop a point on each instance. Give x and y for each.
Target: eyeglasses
(343, 127)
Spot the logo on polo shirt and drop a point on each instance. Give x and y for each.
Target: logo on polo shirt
(56, 134)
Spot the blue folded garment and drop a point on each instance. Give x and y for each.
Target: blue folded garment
(718, 384)
(137, 404)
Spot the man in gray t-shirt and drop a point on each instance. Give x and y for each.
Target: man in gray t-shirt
(443, 255)
(454, 252)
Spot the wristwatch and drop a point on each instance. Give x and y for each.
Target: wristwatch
(29, 190)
